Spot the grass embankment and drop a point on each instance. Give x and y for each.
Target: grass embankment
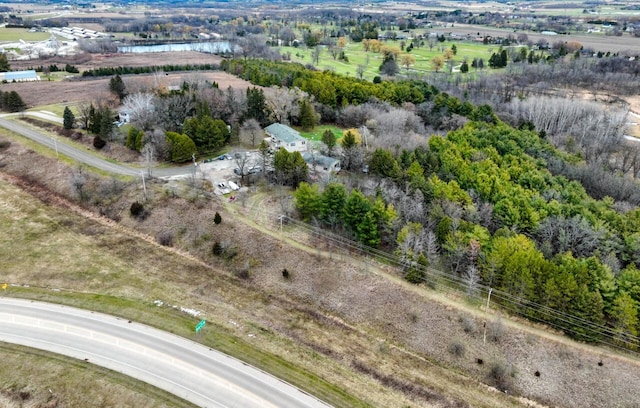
(55, 250)
(35, 378)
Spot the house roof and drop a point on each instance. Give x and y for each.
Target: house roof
(284, 133)
(318, 159)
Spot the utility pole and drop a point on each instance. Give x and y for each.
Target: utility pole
(486, 311)
(144, 186)
(55, 143)
(195, 166)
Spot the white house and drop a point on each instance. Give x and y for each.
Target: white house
(283, 136)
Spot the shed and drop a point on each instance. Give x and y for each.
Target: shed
(322, 164)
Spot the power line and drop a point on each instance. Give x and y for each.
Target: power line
(567, 323)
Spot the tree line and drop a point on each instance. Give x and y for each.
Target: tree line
(481, 204)
(109, 71)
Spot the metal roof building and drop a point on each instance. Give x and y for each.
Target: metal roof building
(19, 76)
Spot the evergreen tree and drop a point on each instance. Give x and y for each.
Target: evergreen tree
(134, 139)
(217, 219)
(256, 107)
(329, 140)
(625, 320)
(384, 164)
(12, 102)
(464, 67)
(4, 63)
(106, 124)
(367, 230)
(334, 199)
(207, 133)
(355, 209)
(117, 87)
(349, 140)
(68, 118)
(308, 200)
(181, 147)
(307, 115)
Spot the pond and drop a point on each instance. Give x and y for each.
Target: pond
(211, 47)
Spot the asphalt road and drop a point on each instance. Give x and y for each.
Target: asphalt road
(87, 158)
(184, 368)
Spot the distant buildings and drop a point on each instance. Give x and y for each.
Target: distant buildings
(19, 76)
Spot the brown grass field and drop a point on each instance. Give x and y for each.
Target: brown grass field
(94, 89)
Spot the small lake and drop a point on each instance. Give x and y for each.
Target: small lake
(212, 47)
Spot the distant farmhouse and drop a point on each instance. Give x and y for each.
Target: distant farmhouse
(19, 76)
(283, 136)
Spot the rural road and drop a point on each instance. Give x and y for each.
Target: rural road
(189, 370)
(87, 158)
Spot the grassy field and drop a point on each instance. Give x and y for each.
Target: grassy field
(371, 61)
(17, 34)
(56, 250)
(316, 134)
(35, 378)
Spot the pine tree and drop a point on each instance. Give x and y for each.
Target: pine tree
(329, 139)
(68, 118)
(13, 102)
(117, 87)
(4, 63)
(307, 115)
(256, 107)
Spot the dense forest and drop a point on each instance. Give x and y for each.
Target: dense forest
(480, 202)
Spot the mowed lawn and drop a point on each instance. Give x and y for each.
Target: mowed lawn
(17, 34)
(315, 134)
(423, 55)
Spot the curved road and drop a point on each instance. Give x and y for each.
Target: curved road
(85, 157)
(182, 367)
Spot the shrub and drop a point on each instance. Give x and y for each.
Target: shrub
(217, 248)
(285, 273)
(165, 238)
(137, 210)
(4, 144)
(217, 219)
(457, 349)
(415, 275)
(244, 272)
(496, 330)
(501, 375)
(98, 142)
(468, 324)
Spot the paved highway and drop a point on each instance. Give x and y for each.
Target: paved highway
(184, 368)
(85, 157)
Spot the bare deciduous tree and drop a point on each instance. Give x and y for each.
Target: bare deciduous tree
(284, 103)
(251, 133)
(141, 109)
